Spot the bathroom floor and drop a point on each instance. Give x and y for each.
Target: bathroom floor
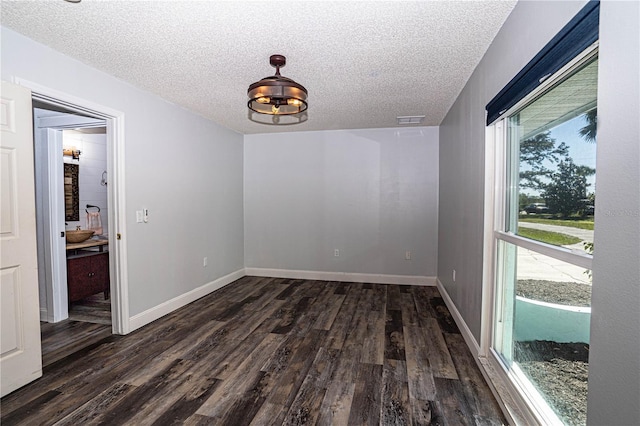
(93, 309)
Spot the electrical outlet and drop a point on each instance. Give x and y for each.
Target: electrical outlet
(407, 255)
(204, 262)
(454, 275)
(336, 252)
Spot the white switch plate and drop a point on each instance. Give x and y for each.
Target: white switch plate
(204, 262)
(407, 255)
(139, 216)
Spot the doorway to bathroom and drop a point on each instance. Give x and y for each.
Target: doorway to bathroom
(71, 178)
(99, 129)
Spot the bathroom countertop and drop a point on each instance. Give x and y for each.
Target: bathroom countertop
(87, 244)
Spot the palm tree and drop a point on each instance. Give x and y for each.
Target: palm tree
(589, 131)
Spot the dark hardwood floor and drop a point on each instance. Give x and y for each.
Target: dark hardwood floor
(273, 351)
(89, 322)
(59, 340)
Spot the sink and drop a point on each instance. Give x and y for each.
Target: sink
(78, 236)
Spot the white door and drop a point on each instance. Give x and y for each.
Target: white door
(20, 351)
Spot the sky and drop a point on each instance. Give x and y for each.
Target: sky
(582, 152)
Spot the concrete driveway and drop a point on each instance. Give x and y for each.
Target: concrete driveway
(535, 266)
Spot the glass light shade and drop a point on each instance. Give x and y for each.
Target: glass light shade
(278, 119)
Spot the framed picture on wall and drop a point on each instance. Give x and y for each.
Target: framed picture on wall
(71, 192)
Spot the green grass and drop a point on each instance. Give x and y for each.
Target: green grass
(554, 238)
(581, 224)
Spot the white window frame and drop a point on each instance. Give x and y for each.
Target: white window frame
(519, 396)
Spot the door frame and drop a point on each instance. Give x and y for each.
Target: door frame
(48, 136)
(115, 192)
(49, 220)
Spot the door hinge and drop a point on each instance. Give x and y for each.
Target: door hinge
(62, 234)
(118, 236)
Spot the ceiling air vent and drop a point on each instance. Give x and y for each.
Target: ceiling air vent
(410, 119)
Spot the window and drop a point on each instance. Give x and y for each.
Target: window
(544, 241)
(539, 227)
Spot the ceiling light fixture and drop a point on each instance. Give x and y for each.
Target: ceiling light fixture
(277, 99)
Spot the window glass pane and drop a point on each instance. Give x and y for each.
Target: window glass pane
(542, 304)
(547, 338)
(551, 186)
(504, 301)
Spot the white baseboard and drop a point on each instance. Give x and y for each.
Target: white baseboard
(169, 306)
(342, 276)
(462, 325)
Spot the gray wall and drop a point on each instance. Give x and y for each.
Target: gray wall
(372, 194)
(529, 27)
(186, 170)
(614, 363)
(614, 359)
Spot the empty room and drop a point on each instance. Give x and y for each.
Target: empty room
(320, 212)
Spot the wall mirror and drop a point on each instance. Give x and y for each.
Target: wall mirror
(71, 193)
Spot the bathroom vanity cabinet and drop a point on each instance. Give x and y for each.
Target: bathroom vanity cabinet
(87, 273)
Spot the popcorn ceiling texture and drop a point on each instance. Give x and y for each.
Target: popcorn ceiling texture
(363, 63)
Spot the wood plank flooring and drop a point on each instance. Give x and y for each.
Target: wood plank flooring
(89, 322)
(270, 351)
(59, 340)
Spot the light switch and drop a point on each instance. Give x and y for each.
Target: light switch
(139, 216)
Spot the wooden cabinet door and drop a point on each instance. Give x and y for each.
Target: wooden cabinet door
(87, 275)
(78, 277)
(100, 269)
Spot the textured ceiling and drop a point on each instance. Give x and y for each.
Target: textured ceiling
(363, 62)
